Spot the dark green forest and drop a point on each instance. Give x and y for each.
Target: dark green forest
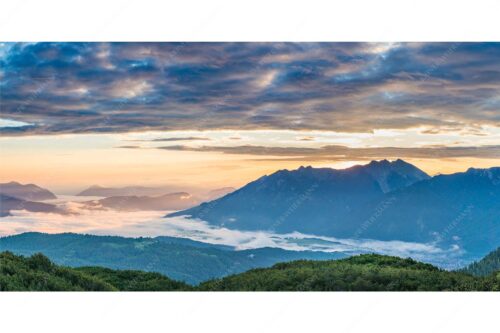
(38, 273)
(367, 272)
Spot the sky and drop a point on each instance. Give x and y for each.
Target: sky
(222, 114)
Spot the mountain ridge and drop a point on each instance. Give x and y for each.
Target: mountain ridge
(29, 192)
(325, 189)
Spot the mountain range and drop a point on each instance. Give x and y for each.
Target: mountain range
(137, 198)
(381, 200)
(309, 200)
(17, 196)
(145, 191)
(101, 191)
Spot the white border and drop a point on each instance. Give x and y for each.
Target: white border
(257, 20)
(249, 312)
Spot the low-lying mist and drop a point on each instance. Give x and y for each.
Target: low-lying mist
(153, 223)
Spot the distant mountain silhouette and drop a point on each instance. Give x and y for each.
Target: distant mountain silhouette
(171, 201)
(7, 204)
(100, 191)
(26, 192)
(202, 195)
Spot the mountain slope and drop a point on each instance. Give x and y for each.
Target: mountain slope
(309, 200)
(461, 210)
(30, 192)
(368, 272)
(38, 273)
(134, 280)
(485, 266)
(180, 259)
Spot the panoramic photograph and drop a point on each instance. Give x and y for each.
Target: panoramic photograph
(249, 166)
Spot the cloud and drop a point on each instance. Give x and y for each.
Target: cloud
(129, 147)
(189, 138)
(129, 88)
(151, 224)
(347, 87)
(343, 153)
(7, 123)
(306, 138)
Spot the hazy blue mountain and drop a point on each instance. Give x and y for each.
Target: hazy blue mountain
(100, 191)
(29, 192)
(8, 203)
(152, 198)
(382, 200)
(486, 266)
(309, 200)
(170, 201)
(461, 209)
(180, 259)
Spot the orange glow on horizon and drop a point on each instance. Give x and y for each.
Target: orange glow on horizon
(70, 163)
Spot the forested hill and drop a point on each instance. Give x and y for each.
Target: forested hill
(367, 272)
(485, 266)
(38, 273)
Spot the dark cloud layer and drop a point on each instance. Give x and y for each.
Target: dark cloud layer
(121, 87)
(342, 153)
(188, 138)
